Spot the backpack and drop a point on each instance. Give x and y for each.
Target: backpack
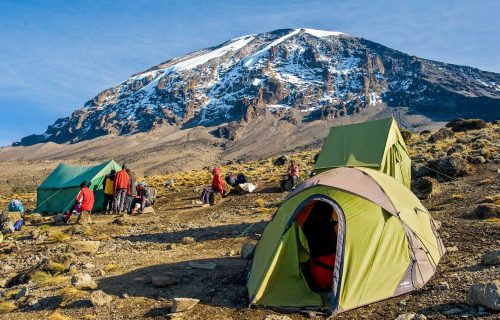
(16, 205)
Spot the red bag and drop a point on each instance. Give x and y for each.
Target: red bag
(320, 271)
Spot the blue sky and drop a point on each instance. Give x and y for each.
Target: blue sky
(56, 55)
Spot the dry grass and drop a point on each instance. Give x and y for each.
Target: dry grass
(70, 293)
(260, 202)
(103, 237)
(457, 196)
(111, 267)
(44, 279)
(56, 315)
(7, 306)
(12, 293)
(58, 236)
(89, 317)
(56, 267)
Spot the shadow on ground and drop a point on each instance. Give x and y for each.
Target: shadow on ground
(225, 286)
(200, 234)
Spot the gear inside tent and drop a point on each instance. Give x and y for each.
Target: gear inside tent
(58, 192)
(374, 144)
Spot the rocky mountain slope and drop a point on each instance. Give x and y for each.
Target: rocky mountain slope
(296, 75)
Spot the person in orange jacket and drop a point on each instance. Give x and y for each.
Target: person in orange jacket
(122, 189)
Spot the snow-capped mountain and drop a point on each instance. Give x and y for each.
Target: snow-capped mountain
(299, 74)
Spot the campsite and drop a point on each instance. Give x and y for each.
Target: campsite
(142, 263)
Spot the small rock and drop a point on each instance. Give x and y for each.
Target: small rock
(452, 249)
(149, 210)
(425, 187)
(85, 247)
(83, 281)
(183, 304)
(99, 298)
(3, 283)
(163, 281)
(247, 250)
(487, 210)
(486, 294)
(442, 286)
(35, 234)
(125, 221)
(125, 295)
(170, 246)
(491, 257)
(188, 240)
(204, 266)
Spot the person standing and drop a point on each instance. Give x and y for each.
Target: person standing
(121, 188)
(132, 179)
(109, 192)
(85, 200)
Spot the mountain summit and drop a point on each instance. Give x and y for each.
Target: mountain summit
(300, 75)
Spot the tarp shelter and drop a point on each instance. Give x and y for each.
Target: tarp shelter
(374, 144)
(386, 244)
(58, 192)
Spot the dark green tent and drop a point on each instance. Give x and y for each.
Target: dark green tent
(57, 193)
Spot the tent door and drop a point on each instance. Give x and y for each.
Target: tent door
(338, 215)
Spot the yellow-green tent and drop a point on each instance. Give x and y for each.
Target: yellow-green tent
(387, 243)
(58, 192)
(374, 144)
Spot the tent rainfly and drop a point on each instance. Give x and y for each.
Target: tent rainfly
(374, 144)
(58, 192)
(385, 243)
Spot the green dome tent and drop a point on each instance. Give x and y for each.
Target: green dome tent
(58, 192)
(374, 144)
(387, 243)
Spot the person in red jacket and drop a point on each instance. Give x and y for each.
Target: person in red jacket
(122, 189)
(216, 186)
(83, 204)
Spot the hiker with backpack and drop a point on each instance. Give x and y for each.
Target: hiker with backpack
(109, 192)
(121, 189)
(216, 186)
(290, 179)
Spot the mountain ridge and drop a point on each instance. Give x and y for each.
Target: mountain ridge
(299, 75)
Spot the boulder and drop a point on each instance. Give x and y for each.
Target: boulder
(425, 187)
(487, 210)
(183, 304)
(125, 221)
(491, 257)
(450, 166)
(485, 294)
(188, 240)
(99, 298)
(420, 170)
(83, 281)
(24, 292)
(84, 247)
(247, 250)
(460, 125)
(441, 134)
(215, 198)
(149, 210)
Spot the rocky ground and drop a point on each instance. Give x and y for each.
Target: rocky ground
(133, 267)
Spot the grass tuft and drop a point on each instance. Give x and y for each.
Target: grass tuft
(58, 236)
(111, 267)
(56, 315)
(56, 267)
(44, 279)
(70, 293)
(260, 202)
(7, 306)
